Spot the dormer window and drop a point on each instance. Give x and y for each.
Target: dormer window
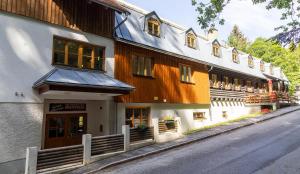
(235, 56)
(262, 66)
(154, 27)
(250, 61)
(216, 49)
(191, 38)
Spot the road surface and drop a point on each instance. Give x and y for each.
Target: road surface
(271, 147)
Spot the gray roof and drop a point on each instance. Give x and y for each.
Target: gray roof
(172, 40)
(81, 78)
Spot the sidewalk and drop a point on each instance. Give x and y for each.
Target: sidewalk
(195, 137)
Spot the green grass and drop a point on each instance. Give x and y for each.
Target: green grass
(244, 117)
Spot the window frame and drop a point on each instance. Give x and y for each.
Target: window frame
(235, 56)
(197, 118)
(250, 62)
(81, 45)
(154, 22)
(189, 73)
(191, 37)
(138, 56)
(216, 49)
(140, 115)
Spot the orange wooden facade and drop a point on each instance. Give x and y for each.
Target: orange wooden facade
(165, 85)
(74, 14)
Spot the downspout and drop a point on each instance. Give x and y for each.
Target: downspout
(210, 113)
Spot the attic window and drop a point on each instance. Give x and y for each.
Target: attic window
(216, 49)
(235, 55)
(262, 66)
(154, 27)
(191, 40)
(250, 62)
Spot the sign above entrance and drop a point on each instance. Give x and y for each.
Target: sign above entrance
(60, 107)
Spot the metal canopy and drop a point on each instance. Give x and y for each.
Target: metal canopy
(76, 78)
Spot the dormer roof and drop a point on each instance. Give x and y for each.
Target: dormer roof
(191, 30)
(153, 14)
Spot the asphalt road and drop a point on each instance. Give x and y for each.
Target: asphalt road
(271, 147)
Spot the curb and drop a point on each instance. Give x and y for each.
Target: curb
(187, 142)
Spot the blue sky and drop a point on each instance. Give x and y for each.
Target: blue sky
(253, 20)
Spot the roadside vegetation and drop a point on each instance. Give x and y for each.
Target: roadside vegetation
(288, 58)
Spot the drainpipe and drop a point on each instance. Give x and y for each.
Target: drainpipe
(210, 113)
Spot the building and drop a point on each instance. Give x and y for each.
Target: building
(77, 67)
(57, 71)
(171, 56)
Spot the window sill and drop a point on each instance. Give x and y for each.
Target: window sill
(147, 77)
(158, 36)
(191, 83)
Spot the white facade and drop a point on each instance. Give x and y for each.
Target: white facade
(26, 56)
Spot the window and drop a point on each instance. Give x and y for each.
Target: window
(77, 54)
(214, 80)
(235, 55)
(250, 62)
(191, 40)
(226, 80)
(216, 49)
(142, 66)
(249, 83)
(236, 82)
(199, 115)
(136, 117)
(185, 73)
(262, 66)
(154, 27)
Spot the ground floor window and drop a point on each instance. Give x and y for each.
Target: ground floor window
(136, 117)
(199, 115)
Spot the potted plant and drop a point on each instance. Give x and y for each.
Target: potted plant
(169, 122)
(142, 128)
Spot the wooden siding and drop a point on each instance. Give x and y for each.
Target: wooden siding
(74, 14)
(165, 83)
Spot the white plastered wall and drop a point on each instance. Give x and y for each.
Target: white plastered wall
(233, 109)
(184, 112)
(26, 56)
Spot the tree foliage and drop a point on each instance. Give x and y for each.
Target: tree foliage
(210, 10)
(288, 60)
(237, 39)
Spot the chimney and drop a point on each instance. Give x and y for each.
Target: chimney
(212, 34)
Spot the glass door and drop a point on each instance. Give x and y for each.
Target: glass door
(64, 129)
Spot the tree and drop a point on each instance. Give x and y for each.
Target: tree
(271, 51)
(292, 46)
(210, 10)
(237, 39)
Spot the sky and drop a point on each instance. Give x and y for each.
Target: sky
(254, 20)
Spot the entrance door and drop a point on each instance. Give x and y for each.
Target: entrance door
(64, 129)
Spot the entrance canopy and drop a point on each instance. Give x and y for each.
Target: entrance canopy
(76, 80)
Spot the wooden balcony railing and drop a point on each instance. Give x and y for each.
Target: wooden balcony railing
(219, 94)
